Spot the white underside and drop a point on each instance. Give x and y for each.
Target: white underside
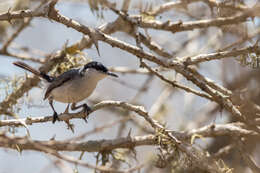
(77, 89)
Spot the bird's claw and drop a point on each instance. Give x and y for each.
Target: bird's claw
(86, 111)
(55, 117)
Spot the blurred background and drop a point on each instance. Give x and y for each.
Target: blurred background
(177, 109)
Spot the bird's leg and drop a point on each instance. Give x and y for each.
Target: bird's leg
(55, 115)
(67, 109)
(86, 108)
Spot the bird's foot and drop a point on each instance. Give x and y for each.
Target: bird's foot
(67, 109)
(55, 117)
(86, 110)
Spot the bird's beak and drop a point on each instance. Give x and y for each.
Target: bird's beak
(111, 74)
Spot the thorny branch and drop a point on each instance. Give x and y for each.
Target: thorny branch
(153, 123)
(49, 11)
(21, 143)
(52, 146)
(210, 89)
(50, 61)
(183, 4)
(232, 129)
(20, 29)
(31, 120)
(219, 55)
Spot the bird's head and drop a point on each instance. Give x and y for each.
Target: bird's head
(98, 68)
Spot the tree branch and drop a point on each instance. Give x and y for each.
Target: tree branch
(24, 143)
(51, 61)
(175, 84)
(219, 55)
(212, 3)
(191, 25)
(179, 67)
(89, 146)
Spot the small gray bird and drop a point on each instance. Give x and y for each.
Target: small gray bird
(73, 85)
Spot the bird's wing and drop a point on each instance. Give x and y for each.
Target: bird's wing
(60, 80)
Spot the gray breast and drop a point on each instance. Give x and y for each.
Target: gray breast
(76, 89)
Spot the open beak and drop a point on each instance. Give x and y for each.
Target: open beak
(111, 74)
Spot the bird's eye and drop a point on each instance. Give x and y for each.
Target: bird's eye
(82, 71)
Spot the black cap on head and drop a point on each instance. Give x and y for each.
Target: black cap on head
(96, 65)
(99, 67)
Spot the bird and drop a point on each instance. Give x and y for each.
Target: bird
(72, 86)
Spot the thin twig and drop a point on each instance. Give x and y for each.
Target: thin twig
(175, 84)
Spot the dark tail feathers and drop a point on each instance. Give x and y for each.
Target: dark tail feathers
(32, 70)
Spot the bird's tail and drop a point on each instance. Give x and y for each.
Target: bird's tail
(32, 70)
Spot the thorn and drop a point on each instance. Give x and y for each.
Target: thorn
(141, 63)
(129, 134)
(53, 3)
(64, 47)
(51, 9)
(179, 22)
(132, 149)
(174, 138)
(70, 126)
(9, 16)
(53, 137)
(256, 43)
(166, 23)
(253, 19)
(212, 126)
(95, 41)
(134, 152)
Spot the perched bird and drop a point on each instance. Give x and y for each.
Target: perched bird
(73, 85)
